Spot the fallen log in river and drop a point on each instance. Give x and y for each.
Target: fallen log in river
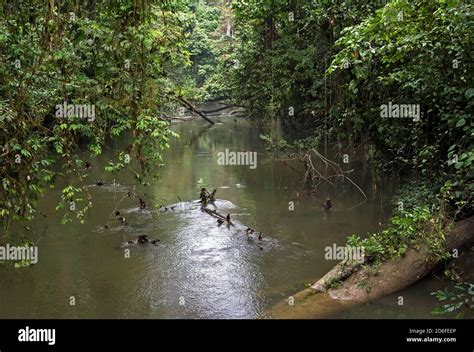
(322, 301)
(209, 199)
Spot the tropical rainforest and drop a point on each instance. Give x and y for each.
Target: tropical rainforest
(319, 79)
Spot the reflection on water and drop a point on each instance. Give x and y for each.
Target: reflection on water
(199, 269)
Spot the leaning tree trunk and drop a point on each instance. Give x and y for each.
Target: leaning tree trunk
(393, 275)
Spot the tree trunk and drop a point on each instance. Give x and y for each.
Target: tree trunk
(393, 275)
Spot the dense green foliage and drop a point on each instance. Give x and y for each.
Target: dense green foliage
(424, 57)
(320, 69)
(325, 68)
(208, 26)
(119, 57)
(328, 71)
(210, 40)
(284, 51)
(127, 60)
(310, 72)
(456, 301)
(412, 228)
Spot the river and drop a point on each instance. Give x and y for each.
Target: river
(199, 269)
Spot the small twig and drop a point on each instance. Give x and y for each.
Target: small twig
(42, 235)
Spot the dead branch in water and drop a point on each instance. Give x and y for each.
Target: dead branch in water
(191, 108)
(215, 214)
(312, 177)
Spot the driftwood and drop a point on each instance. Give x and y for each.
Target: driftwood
(191, 108)
(141, 240)
(322, 301)
(206, 198)
(312, 176)
(215, 214)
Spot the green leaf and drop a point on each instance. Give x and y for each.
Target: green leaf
(469, 93)
(461, 122)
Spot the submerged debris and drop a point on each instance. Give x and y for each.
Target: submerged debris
(212, 196)
(327, 205)
(122, 220)
(142, 239)
(205, 197)
(249, 231)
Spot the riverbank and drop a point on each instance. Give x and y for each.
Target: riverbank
(351, 283)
